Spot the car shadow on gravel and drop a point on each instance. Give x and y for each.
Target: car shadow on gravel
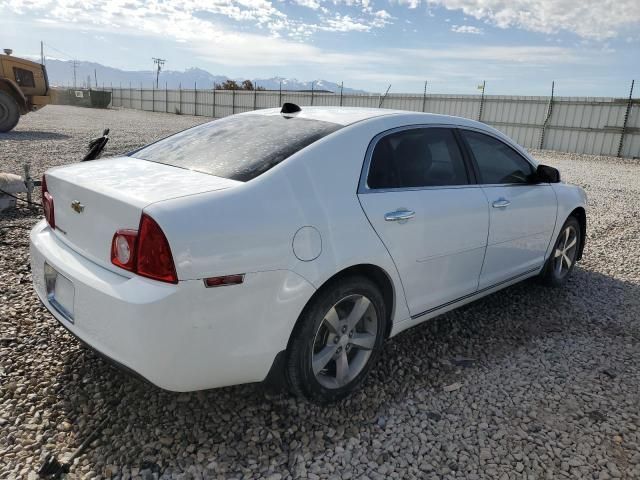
(233, 426)
(28, 136)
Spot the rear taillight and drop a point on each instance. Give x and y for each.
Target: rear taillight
(47, 204)
(154, 255)
(144, 251)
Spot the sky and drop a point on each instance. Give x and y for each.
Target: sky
(589, 47)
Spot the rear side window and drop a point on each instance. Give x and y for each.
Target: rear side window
(239, 147)
(498, 162)
(421, 157)
(23, 77)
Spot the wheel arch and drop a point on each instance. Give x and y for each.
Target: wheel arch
(14, 92)
(581, 215)
(374, 273)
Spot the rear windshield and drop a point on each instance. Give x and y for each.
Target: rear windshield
(239, 147)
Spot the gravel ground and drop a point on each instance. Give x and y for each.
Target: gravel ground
(527, 383)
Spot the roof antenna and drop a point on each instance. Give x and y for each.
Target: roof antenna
(290, 110)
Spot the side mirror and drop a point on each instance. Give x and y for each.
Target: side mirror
(547, 174)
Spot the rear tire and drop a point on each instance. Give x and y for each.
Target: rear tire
(337, 340)
(9, 112)
(564, 254)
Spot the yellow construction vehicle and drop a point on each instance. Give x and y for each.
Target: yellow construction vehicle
(24, 88)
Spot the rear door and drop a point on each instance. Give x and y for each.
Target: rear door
(522, 213)
(418, 194)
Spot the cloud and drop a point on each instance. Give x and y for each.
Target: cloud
(176, 17)
(312, 4)
(597, 19)
(344, 23)
(466, 29)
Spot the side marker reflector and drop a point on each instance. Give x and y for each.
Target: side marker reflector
(224, 281)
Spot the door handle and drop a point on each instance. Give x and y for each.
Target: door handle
(401, 215)
(501, 203)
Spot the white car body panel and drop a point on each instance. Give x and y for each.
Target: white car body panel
(520, 233)
(439, 252)
(288, 231)
(180, 337)
(113, 194)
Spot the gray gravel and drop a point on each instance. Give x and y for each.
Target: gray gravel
(528, 383)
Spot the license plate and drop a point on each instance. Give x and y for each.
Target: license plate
(60, 292)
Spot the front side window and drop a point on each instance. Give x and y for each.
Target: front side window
(498, 162)
(239, 147)
(23, 77)
(420, 157)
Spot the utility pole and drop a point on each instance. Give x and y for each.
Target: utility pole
(75, 68)
(160, 63)
(41, 52)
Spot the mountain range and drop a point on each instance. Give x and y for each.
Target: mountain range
(61, 73)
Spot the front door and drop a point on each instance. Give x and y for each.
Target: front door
(434, 223)
(522, 213)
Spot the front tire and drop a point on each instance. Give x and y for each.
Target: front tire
(9, 112)
(564, 254)
(336, 340)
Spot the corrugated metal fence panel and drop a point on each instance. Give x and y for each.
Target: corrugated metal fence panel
(585, 125)
(631, 144)
(517, 117)
(366, 101)
(268, 99)
(224, 103)
(577, 124)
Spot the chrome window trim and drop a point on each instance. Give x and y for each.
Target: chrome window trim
(363, 187)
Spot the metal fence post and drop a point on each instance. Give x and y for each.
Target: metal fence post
(166, 98)
(255, 96)
(280, 95)
(384, 96)
(547, 118)
(153, 98)
(484, 84)
(141, 96)
(626, 119)
(424, 96)
(341, 87)
(214, 100)
(233, 102)
(195, 98)
(180, 98)
(312, 92)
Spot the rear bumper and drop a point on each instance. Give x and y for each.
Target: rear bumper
(39, 101)
(180, 337)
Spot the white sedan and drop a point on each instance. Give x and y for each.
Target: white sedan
(289, 244)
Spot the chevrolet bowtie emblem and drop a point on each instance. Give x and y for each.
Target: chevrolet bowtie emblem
(77, 206)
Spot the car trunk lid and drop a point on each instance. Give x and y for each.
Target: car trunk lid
(92, 200)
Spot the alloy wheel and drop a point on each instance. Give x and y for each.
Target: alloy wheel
(564, 254)
(344, 341)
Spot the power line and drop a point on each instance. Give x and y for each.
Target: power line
(70, 57)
